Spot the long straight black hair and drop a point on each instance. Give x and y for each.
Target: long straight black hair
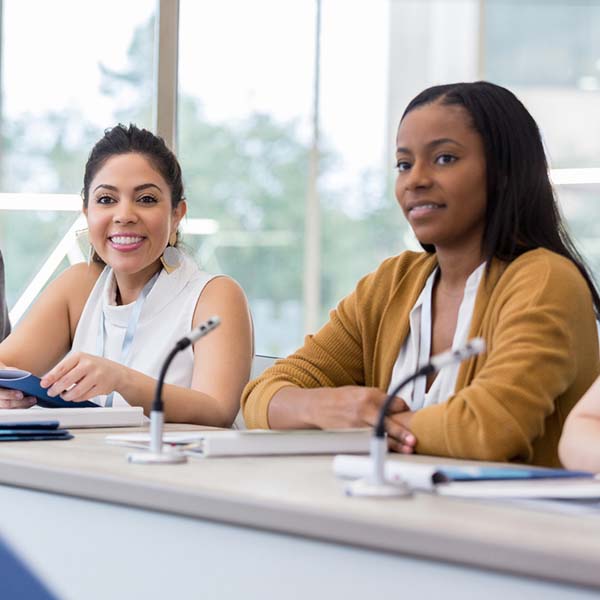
(521, 213)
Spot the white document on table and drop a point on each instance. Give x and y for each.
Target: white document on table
(256, 442)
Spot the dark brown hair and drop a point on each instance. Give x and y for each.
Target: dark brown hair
(123, 140)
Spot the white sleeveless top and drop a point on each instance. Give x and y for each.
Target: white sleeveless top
(166, 317)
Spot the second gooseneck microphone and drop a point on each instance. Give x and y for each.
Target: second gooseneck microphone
(471, 348)
(375, 484)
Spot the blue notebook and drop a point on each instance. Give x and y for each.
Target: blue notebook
(29, 384)
(472, 473)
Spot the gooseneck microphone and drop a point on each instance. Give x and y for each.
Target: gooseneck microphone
(156, 455)
(375, 485)
(437, 362)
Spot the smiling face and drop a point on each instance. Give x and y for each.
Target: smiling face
(441, 182)
(130, 214)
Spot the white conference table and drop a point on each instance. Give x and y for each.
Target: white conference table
(277, 527)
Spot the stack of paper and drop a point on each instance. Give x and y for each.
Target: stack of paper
(474, 481)
(255, 442)
(126, 416)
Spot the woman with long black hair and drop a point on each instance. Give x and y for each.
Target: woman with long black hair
(497, 263)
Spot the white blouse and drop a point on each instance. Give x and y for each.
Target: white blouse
(416, 350)
(166, 317)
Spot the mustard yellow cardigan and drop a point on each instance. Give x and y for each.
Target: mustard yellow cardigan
(536, 316)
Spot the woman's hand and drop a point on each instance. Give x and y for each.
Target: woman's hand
(15, 399)
(334, 408)
(356, 406)
(80, 376)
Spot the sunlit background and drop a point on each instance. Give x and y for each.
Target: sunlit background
(281, 139)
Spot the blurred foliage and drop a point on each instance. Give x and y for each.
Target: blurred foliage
(250, 175)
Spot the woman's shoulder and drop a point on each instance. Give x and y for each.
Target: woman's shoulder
(78, 279)
(69, 291)
(222, 286)
(222, 296)
(76, 284)
(542, 264)
(541, 275)
(84, 273)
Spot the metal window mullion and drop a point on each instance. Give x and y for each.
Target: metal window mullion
(166, 46)
(312, 229)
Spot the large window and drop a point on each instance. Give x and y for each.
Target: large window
(247, 102)
(549, 54)
(286, 119)
(69, 70)
(244, 131)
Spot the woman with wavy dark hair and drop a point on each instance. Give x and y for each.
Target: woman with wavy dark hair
(102, 330)
(497, 263)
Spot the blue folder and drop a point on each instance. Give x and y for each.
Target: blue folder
(29, 384)
(24, 431)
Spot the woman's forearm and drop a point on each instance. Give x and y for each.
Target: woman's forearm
(181, 405)
(579, 446)
(580, 443)
(294, 408)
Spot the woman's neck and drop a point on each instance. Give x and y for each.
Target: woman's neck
(456, 266)
(130, 285)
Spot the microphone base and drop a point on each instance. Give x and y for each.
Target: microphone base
(157, 458)
(376, 485)
(366, 488)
